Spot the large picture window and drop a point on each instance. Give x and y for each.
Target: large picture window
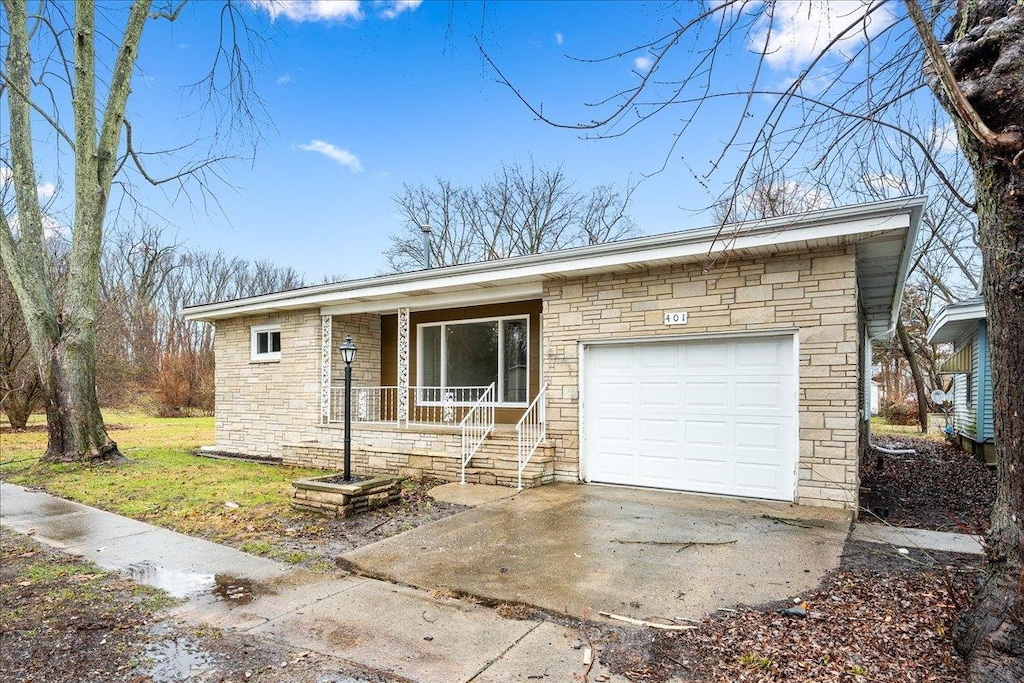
(475, 353)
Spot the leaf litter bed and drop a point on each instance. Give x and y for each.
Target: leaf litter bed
(940, 487)
(881, 616)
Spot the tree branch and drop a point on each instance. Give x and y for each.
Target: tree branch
(951, 89)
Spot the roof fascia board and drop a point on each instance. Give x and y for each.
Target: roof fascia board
(830, 223)
(477, 297)
(940, 330)
(916, 212)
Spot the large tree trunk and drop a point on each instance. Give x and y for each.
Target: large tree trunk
(62, 329)
(991, 635)
(915, 371)
(76, 430)
(987, 60)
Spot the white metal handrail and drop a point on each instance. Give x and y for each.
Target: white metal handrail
(531, 430)
(476, 425)
(427, 405)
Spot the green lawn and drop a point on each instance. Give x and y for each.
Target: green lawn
(882, 428)
(164, 483)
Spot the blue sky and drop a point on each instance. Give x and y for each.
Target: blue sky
(404, 100)
(363, 97)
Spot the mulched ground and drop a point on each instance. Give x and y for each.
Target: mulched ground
(321, 538)
(941, 487)
(66, 621)
(880, 617)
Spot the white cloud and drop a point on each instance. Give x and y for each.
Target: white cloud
(46, 190)
(284, 79)
(396, 7)
(312, 10)
(945, 138)
(643, 64)
(796, 32)
(559, 39)
(342, 156)
(5, 175)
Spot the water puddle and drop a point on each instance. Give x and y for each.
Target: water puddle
(180, 583)
(177, 659)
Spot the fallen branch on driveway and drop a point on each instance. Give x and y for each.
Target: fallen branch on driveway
(683, 545)
(641, 622)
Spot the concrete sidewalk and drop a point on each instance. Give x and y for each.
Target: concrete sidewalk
(402, 632)
(922, 539)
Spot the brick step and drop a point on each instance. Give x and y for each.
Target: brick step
(476, 475)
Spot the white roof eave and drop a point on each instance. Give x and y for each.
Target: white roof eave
(839, 225)
(954, 321)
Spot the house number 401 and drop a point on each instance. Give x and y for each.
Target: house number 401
(675, 318)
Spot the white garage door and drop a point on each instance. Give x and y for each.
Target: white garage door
(712, 416)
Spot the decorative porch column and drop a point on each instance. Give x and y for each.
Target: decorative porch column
(326, 331)
(403, 366)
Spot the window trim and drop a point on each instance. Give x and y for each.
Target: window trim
(499, 385)
(254, 355)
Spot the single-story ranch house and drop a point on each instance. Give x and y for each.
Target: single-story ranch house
(724, 361)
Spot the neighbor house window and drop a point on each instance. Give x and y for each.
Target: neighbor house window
(266, 342)
(475, 353)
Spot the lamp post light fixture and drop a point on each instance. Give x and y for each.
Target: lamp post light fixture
(348, 354)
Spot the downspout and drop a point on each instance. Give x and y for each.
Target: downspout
(867, 429)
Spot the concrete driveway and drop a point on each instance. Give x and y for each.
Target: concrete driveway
(633, 552)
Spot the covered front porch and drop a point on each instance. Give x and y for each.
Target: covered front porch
(454, 393)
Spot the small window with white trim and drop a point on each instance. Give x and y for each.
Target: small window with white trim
(266, 343)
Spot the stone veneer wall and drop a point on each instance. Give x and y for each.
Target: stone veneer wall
(365, 331)
(262, 405)
(421, 452)
(816, 293)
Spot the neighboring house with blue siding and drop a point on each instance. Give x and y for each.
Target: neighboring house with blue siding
(964, 325)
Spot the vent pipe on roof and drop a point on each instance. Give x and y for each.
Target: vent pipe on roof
(426, 245)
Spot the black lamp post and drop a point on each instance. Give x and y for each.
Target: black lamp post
(348, 354)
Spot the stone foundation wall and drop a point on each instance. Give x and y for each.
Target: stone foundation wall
(432, 453)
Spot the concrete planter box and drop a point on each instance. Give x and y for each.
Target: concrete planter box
(345, 500)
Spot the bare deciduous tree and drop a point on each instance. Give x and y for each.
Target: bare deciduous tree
(520, 210)
(859, 84)
(70, 71)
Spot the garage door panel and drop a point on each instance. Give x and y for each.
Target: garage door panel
(759, 395)
(615, 466)
(702, 433)
(613, 394)
(663, 431)
(707, 394)
(757, 477)
(758, 354)
(708, 416)
(755, 435)
(659, 395)
(658, 356)
(611, 429)
(705, 356)
(660, 469)
(707, 472)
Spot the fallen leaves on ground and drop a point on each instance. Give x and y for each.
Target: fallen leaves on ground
(889, 624)
(940, 487)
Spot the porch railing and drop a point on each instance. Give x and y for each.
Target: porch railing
(427, 405)
(531, 430)
(476, 425)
